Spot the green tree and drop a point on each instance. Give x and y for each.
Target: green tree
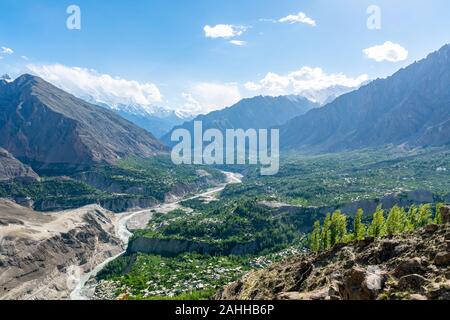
(412, 217)
(397, 221)
(425, 216)
(438, 216)
(326, 233)
(359, 228)
(338, 228)
(377, 227)
(316, 237)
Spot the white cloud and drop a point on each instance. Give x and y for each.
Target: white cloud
(90, 85)
(6, 50)
(312, 83)
(301, 17)
(388, 51)
(1, 57)
(238, 42)
(25, 58)
(206, 97)
(223, 31)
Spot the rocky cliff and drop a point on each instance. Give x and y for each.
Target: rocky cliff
(411, 266)
(174, 247)
(43, 256)
(11, 168)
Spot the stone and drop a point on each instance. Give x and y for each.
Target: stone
(361, 284)
(387, 250)
(320, 294)
(417, 297)
(412, 282)
(401, 248)
(333, 290)
(442, 259)
(431, 228)
(365, 242)
(445, 214)
(410, 266)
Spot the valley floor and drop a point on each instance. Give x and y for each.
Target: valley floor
(55, 255)
(189, 247)
(127, 222)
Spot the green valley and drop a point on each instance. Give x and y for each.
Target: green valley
(267, 219)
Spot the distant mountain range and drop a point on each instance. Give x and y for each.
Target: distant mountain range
(411, 107)
(154, 119)
(43, 125)
(259, 113)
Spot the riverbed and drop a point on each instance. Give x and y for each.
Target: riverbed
(129, 221)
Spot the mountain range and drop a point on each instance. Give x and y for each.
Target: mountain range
(260, 112)
(154, 119)
(43, 125)
(411, 107)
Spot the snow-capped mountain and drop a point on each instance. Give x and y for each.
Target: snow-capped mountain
(155, 119)
(6, 78)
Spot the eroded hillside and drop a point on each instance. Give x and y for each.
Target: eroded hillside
(42, 256)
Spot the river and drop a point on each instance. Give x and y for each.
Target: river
(129, 221)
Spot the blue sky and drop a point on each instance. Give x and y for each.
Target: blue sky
(160, 48)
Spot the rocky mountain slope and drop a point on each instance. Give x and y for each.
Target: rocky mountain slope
(11, 168)
(43, 125)
(256, 113)
(42, 256)
(411, 107)
(409, 266)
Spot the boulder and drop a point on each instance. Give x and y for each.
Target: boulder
(442, 259)
(410, 266)
(362, 284)
(431, 228)
(413, 282)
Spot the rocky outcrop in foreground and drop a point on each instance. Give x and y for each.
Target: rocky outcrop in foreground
(43, 256)
(410, 266)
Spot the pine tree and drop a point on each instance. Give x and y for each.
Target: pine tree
(326, 233)
(359, 228)
(338, 228)
(425, 216)
(438, 216)
(396, 221)
(377, 228)
(316, 237)
(412, 217)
